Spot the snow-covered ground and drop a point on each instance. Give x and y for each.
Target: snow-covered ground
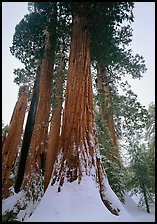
(82, 203)
(131, 204)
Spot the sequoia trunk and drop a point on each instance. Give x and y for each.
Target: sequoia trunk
(10, 145)
(28, 133)
(78, 153)
(54, 134)
(34, 171)
(105, 110)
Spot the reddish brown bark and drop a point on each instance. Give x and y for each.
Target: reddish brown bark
(78, 153)
(78, 112)
(4, 135)
(105, 110)
(34, 170)
(27, 132)
(10, 145)
(54, 134)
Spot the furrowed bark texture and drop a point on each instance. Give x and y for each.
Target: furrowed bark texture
(28, 133)
(105, 110)
(77, 128)
(33, 182)
(54, 134)
(10, 145)
(4, 135)
(78, 153)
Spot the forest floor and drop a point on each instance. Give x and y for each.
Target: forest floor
(82, 203)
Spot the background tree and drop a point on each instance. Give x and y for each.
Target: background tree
(34, 164)
(109, 52)
(27, 133)
(10, 144)
(54, 134)
(150, 138)
(142, 163)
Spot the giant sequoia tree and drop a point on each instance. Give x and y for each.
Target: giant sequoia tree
(78, 152)
(106, 112)
(10, 144)
(37, 152)
(95, 40)
(28, 133)
(54, 133)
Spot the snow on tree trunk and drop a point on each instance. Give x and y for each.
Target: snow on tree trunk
(105, 111)
(10, 145)
(54, 134)
(32, 188)
(4, 135)
(34, 170)
(33, 180)
(78, 153)
(28, 133)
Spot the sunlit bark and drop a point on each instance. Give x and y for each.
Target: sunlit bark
(27, 133)
(10, 145)
(54, 134)
(78, 153)
(34, 170)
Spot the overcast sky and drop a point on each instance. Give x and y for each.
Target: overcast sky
(143, 43)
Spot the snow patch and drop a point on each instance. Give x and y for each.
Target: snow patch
(75, 203)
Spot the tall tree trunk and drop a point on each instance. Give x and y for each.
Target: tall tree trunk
(4, 135)
(33, 182)
(78, 153)
(105, 110)
(28, 133)
(145, 197)
(10, 145)
(54, 134)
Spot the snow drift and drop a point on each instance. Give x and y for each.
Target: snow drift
(77, 203)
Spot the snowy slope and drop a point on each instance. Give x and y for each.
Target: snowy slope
(80, 203)
(76, 203)
(139, 213)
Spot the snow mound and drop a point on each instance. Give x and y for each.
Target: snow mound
(76, 203)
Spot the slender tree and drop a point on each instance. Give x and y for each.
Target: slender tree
(54, 134)
(28, 133)
(142, 163)
(105, 110)
(107, 136)
(10, 145)
(141, 180)
(34, 170)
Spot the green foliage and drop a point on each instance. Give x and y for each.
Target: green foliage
(150, 127)
(29, 39)
(23, 77)
(115, 174)
(129, 114)
(142, 163)
(150, 138)
(141, 179)
(116, 178)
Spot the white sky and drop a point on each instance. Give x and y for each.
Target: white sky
(143, 43)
